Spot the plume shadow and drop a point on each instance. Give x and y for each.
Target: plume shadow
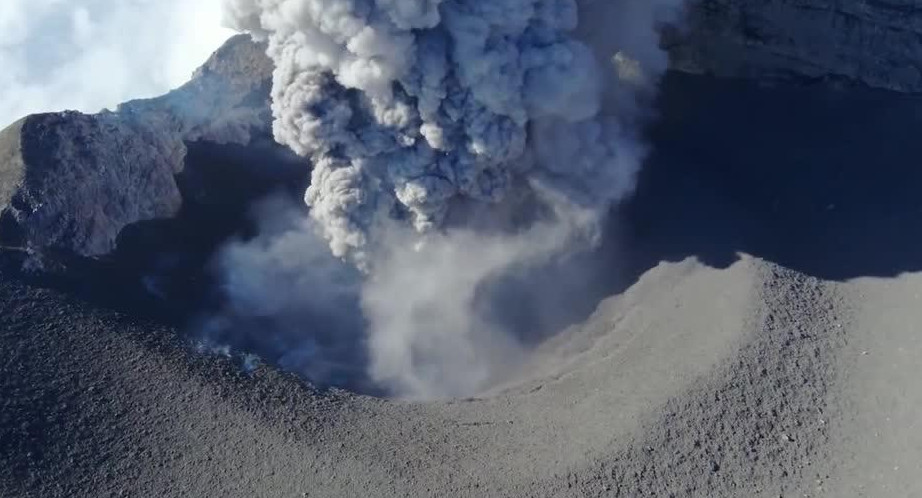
(820, 178)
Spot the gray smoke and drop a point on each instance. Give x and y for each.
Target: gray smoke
(454, 142)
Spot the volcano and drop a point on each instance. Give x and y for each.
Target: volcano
(747, 325)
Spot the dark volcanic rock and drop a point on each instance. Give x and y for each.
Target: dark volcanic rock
(72, 182)
(877, 43)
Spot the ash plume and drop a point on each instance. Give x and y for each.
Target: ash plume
(454, 142)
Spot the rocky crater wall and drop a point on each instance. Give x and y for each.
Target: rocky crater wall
(877, 43)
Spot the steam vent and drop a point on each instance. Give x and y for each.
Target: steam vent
(505, 248)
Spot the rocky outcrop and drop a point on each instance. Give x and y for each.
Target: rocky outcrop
(876, 43)
(71, 182)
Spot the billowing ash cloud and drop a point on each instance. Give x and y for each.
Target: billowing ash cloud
(454, 141)
(406, 106)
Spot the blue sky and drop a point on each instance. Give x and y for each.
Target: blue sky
(92, 54)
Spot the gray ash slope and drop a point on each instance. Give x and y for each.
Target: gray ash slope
(153, 420)
(762, 345)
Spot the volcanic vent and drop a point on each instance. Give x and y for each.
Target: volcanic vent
(457, 150)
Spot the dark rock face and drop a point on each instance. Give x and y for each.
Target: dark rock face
(877, 43)
(78, 180)
(72, 182)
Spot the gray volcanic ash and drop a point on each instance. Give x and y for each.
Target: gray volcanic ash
(454, 142)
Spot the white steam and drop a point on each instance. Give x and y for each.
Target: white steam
(455, 142)
(91, 54)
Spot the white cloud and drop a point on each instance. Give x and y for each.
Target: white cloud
(93, 54)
